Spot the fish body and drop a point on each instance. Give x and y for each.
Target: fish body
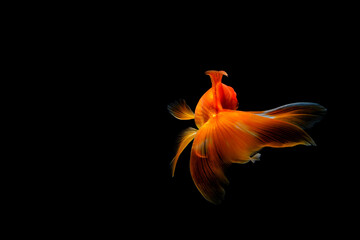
(215, 100)
(226, 135)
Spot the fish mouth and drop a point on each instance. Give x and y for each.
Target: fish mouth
(215, 76)
(211, 72)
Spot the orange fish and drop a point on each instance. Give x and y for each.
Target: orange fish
(226, 135)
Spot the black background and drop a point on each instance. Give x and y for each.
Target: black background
(121, 174)
(296, 178)
(289, 184)
(297, 187)
(107, 138)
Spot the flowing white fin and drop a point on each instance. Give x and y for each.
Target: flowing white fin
(255, 158)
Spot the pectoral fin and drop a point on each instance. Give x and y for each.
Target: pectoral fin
(185, 138)
(181, 110)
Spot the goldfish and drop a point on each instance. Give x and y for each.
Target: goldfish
(225, 135)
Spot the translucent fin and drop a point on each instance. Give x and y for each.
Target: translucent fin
(236, 137)
(181, 110)
(207, 167)
(302, 114)
(271, 132)
(185, 138)
(241, 134)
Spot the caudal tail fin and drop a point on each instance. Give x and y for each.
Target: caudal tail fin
(301, 114)
(236, 137)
